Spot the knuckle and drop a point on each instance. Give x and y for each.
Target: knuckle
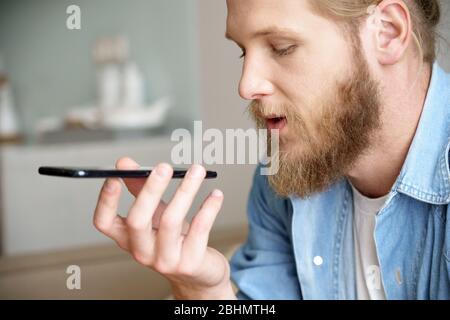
(104, 199)
(187, 270)
(201, 227)
(168, 222)
(135, 224)
(164, 267)
(101, 225)
(122, 245)
(142, 258)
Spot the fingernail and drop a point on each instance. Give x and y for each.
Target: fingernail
(162, 170)
(217, 193)
(109, 185)
(196, 171)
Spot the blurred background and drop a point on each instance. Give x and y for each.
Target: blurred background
(116, 85)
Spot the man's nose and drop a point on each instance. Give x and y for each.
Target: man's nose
(254, 84)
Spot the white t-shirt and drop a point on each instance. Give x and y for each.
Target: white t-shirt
(369, 285)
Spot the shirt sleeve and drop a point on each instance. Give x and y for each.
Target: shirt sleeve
(264, 267)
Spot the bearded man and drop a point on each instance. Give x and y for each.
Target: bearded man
(359, 206)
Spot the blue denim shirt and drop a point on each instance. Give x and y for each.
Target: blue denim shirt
(412, 234)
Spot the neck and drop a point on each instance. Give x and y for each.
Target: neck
(375, 172)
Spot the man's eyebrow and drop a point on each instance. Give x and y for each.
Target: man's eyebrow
(268, 31)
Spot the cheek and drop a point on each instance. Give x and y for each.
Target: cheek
(369, 49)
(309, 94)
(311, 75)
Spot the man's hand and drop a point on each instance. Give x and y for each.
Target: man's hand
(157, 235)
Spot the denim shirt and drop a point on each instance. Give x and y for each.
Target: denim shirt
(303, 248)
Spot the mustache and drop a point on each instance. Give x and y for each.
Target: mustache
(260, 111)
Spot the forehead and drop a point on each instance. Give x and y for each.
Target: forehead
(248, 16)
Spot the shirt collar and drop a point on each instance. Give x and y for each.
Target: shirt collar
(425, 174)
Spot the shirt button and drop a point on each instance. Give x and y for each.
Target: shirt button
(318, 260)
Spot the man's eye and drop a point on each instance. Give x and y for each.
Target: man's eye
(279, 52)
(285, 51)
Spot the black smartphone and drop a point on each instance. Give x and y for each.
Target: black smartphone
(95, 172)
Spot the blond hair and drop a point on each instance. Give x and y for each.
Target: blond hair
(425, 15)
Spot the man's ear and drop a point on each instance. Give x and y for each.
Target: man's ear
(392, 27)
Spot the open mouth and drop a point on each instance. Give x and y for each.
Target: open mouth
(276, 122)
